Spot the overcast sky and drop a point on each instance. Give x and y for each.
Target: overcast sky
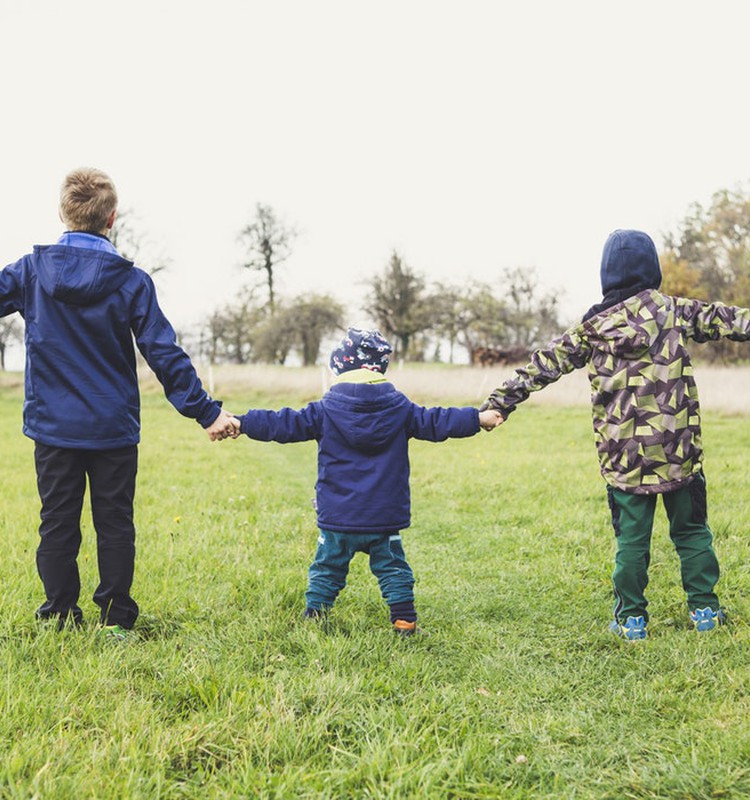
(469, 136)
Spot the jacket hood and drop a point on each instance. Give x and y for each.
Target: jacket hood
(356, 411)
(629, 262)
(622, 331)
(79, 276)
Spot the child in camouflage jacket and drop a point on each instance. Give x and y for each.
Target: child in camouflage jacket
(646, 419)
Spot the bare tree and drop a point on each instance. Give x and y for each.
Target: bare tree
(11, 330)
(468, 315)
(480, 319)
(530, 314)
(132, 244)
(230, 333)
(447, 304)
(268, 243)
(399, 304)
(274, 337)
(312, 318)
(513, 319)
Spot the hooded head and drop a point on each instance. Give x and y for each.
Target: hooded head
(361, 349)
(629, 262)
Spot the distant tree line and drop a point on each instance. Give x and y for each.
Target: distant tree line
(424, 321)
(706, 257)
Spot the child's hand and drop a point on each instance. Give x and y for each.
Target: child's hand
(490, 419)
(224, 426)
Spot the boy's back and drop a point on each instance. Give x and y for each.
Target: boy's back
(645, 402)
(645, 405)
(82, 304)
(363, 432)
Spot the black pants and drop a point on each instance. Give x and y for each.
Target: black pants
(61, 479)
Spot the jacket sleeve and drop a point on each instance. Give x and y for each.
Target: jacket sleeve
(705, 322)
(438, 424)
(157, 341)
(286, 425)
(563, 355)
(11, 289)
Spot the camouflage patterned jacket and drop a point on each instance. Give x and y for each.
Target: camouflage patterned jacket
(644, 399)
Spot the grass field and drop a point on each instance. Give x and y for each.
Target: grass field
(515, 691)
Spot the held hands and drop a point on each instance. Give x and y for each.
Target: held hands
(225, 426)
(490, 419)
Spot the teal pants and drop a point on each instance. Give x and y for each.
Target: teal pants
(328, 572)
(633, 520)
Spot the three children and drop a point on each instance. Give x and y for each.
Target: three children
(84, 305)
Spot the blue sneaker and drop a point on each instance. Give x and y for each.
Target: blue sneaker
(634, 628)
(706, 619)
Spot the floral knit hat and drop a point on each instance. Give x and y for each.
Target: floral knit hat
(361, 349)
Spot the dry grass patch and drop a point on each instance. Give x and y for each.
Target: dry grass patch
(724, 389)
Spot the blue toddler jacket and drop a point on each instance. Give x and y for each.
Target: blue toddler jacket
(362, 432)
(83, 306)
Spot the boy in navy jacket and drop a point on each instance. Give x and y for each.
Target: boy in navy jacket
(83, 304)
(363, 426)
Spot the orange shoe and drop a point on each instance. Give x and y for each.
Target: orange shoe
(404, 628)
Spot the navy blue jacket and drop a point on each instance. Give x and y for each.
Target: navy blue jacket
(363, 432)
(82, 307)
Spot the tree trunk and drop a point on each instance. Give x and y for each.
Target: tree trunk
(269, 274)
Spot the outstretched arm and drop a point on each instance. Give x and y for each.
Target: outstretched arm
(286, 425)
(156, 339)
(438, 424)
(705, 322)
(564, 354)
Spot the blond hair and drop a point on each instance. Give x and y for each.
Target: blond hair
(87, 199)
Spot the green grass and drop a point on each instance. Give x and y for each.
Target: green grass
(518, 691)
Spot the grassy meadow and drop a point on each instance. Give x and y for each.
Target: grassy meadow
(515, 689)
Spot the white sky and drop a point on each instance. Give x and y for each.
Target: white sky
(471, 136)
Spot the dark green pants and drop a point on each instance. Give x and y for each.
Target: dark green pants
(633, 519)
